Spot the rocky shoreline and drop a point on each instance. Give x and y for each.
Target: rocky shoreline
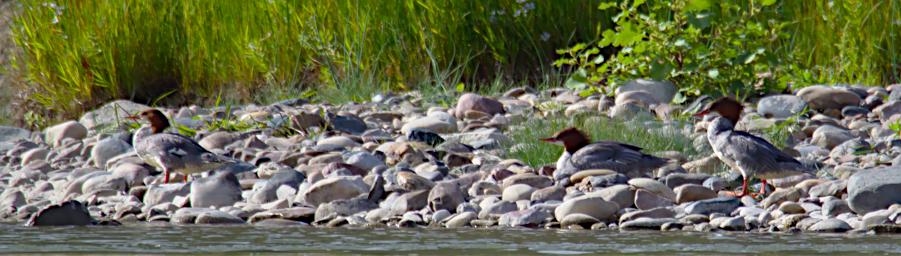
(400, 161)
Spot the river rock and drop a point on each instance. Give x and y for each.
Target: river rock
(621, 194)
(33, 155)
(8, 133)
(645, 224)
(410, 201)
(269, 191)
(823, 97)
(334, 188)
(496, 209)
(524, 218)
(439, 123)
(578, 219)
(781, 195)
(734, 224)
(71, 129)
(518, 192)
(643, 99)
(593, 206)
(655, 213)
(188, 215)
(828, 136)
(780, 106)
(163, 193)
(693, 192)
(645, 200)
(874, 189)
(548, 194)
(217, 190)
(661, 91)
(475, 102)
(833, 207)
(133, 174)
(331, 210)
(110, 113)
(364, 160)
(461, 220)
(721, 205)
(830, 226)
(674, 180)
(69, 213)
(445, 196)
(217, 217)
(529, 179)
(108, 148)
(653, 186)
(218, 140)
(828, 188)
(347, 123)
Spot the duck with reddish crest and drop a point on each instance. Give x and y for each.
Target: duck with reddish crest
(751, 155)
(581, 154)
(170, 151)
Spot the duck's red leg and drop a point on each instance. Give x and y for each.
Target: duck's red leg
(744, 187)
(186, 178)
(762, 190)
(166, 174)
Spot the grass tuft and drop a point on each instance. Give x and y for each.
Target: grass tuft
(653, 136)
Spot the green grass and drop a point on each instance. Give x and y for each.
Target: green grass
(529, 149)
(844, 41)
(78, 54)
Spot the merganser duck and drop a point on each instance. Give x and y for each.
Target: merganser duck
(742, 151)
(170, 151)
(580, 154)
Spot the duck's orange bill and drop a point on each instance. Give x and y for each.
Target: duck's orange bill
(133, 117)
(549, 139)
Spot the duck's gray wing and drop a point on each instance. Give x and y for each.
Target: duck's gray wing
(758, 155)
(619, 157)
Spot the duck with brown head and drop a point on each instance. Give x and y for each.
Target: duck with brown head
(581, 154)
(169, 151)
(751, 155)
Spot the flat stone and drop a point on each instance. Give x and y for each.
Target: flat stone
(647, 200)
(471, 101)
(780, 106)
(714, 205)
(645, 224)
(578, 219)
(71, 129)
(517, 192)
(108, 148)
(445, 196)
(461, 220)
(593, 206)
(830, 226)
(162, 193)
(217, 190)
(661, 91)
(622, 195)
(822, 98)
(524, 218)
(552, 193)
(828, 136)
(833, 207)
(874, 189)
(338, 208)
(655, 213)
(69, 213)
(734, 224)
(330, 189)
(781, 195)
(693, 192)
(653, 186)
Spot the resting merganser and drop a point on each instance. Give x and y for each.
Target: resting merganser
(170, 151)
(580, 154)
(742, 151)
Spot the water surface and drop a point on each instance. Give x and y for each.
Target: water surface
(307, 240)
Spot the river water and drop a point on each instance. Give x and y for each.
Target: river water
(417, 241)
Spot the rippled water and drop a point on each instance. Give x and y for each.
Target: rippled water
(246, 239)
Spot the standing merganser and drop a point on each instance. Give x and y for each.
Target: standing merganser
(580, 154)
(742, 151)
(170, 151)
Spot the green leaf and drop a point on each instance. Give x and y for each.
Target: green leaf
(699, 20)
(607, 38)
(768, 2)
(698, 5)
(586, 92)
(627, 35)
(606, 5)
(461, 87)
(660, 71)
(637, 3)
(578, 80)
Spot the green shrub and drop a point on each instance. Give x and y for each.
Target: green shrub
(703, 46)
